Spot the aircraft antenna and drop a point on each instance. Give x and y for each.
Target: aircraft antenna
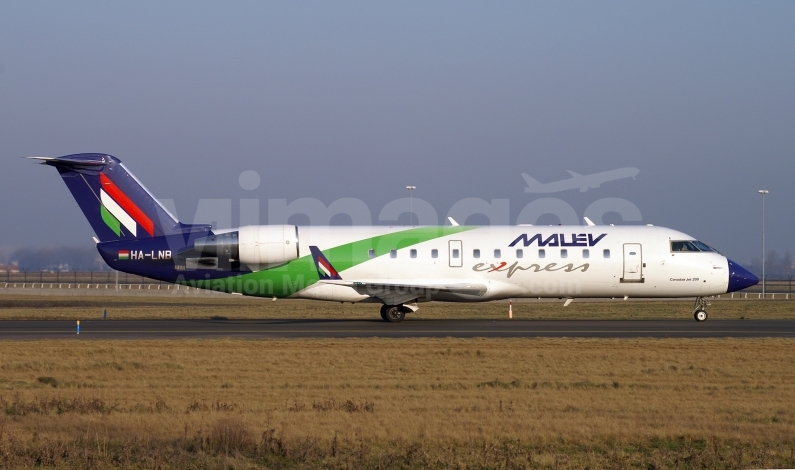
(411, 204)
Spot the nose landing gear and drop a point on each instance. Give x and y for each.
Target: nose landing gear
(699, 309)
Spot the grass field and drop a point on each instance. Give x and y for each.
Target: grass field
(238, 307)
(451, 403)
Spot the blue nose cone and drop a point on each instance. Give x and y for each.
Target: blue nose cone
(740, 278)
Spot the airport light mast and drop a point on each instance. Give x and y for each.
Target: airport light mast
(763, 192)
(411, 204)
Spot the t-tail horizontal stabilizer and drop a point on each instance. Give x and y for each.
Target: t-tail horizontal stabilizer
(116, 204)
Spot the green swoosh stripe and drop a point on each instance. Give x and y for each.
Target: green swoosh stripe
(287, 279)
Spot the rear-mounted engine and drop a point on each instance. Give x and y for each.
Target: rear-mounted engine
(253, 248)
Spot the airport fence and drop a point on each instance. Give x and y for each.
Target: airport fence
(104, 280)
(75, 277)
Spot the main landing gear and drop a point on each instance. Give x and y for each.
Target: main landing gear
(394, 313)
(699, 309)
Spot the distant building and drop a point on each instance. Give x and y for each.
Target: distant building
(9, 268)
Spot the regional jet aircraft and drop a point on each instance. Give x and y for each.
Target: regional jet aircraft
(583, 182)
(397, 267)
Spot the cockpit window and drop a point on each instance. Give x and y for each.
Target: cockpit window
(692, 245)
(702, 246)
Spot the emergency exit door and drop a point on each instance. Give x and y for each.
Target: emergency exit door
(633, 263)
(456, 254)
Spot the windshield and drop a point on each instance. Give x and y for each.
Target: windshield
(702, 246)
(689, 245)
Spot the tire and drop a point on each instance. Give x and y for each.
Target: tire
(700, 315)
(383, 312)
(395, 313)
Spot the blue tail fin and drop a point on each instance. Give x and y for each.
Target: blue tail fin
(324, 269)
(117, 206)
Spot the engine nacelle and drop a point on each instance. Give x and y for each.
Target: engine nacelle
(263, 246)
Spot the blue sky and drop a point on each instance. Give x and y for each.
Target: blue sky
(358, 99)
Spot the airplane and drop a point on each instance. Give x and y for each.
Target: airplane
(396, 267)
(583, 182)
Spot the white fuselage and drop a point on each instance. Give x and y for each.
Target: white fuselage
(530, 261)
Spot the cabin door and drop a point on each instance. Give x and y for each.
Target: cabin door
(633, 263)
(456, 254)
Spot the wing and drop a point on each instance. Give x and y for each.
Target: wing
(398, 292)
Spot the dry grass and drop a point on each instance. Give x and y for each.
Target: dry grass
(238, 307)
(485, 403)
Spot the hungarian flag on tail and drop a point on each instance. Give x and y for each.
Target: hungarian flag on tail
(119, 211)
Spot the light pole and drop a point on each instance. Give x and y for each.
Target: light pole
(411, 204)
(763, 192)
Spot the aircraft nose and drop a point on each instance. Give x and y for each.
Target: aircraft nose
(740, 278)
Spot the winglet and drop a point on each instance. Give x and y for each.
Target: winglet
(588, 222)
(453, 222)
(325, 270)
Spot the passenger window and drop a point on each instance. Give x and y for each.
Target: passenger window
(393, 253)
(456, 254)
(606, 253)
(476, 253)
(586, 254)
(497, 253)
(434, 253)
(413, 253)
(371, 254)
(519, 253)
(564, 253)
(542, 253)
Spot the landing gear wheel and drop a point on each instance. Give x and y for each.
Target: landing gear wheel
(395, 313)
(699, 309)
(383, 312)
